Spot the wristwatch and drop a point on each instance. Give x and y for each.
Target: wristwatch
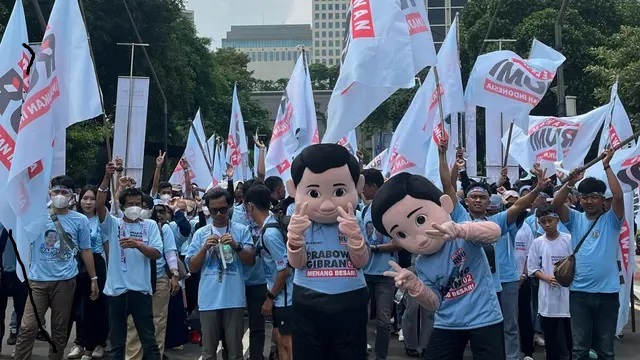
(270, 295)
(374, 249)
(238, 248)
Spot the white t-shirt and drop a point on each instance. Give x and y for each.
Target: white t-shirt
(524, 238)
(553, 301)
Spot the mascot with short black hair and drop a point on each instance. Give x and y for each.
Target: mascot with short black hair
(326, 247)
(453, 275)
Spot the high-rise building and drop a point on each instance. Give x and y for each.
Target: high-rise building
(189, 15)
(273, 49)
(330, 19)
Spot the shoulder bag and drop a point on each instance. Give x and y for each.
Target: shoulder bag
(564, 270)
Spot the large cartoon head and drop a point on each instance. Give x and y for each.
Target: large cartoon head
(405, 207)
(326, 177)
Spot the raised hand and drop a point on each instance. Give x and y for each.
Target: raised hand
(119, 164)
(543, 181)
(348, 224)
(230, 171)
(404, 279)
(125, 181)
(575, 176)
(447, 231)
(110, 168)
(443, 145)
(298, 224)
(258, 143)
(360, 155)
(185, 164)
(608, 155)
(160, 158)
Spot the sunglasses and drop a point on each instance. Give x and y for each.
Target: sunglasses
(221, 210)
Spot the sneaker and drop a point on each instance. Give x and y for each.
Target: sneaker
(13, 353)
(98, 353)
(527, 358)
(178, 348)
(593, 354)
(76, 352)
(11, 340)
(538, 340)
(86, 357)
(368, 347)
(400, 336)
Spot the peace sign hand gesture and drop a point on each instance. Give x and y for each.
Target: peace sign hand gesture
(348, 224)
(404, 279)
(298, 224)
(447, 231)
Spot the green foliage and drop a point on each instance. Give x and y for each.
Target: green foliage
(83, 144)
(323, 77)
(619, 57)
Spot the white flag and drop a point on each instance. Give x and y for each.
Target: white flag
(63, 90)
(504, 81)
(211, 149)
(575, 134)
(237, 140)
(219, 167)
(14, 60)
(296, 124)
(386, 44)
(195, 152)
(350, 142)
(376, 163)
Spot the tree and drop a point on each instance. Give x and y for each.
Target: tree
(323, 77)
(620, 56)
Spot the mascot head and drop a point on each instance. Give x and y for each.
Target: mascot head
(405, 207)
(326, 177)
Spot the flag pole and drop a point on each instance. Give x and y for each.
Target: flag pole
(43, 23)
(437, 79)
(195, 133)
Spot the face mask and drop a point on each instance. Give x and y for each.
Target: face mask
(133, 212)
(165, 198)
(145, 214)
(60, 201)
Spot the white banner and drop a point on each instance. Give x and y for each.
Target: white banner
(350, 142)
(495, 150)
(130, 134)
(376, 163)
(506, 82)
(387, 43)
(237, 140)
(626, 262)
(471, 146)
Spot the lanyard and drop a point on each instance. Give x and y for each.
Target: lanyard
(123, 232)
(217, 254)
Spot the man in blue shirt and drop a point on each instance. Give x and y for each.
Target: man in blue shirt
(134, 245)
(382, 251)
(594, 298)
(217, 250)
(53, 270)
(271, 249)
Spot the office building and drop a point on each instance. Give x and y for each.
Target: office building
(272, 49)
(330, 20)
(189, 15)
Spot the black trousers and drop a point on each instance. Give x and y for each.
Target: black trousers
(10, 285)
(525, 318)
(319, 335)
(487, 343)
(140, 307)
(553, 347)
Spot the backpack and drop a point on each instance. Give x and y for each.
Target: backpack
(282, 223)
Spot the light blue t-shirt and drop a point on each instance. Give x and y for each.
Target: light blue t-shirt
(459, 274)
(168, 246)
(275, 260)
(596, 260)
(97, 236)
(178, 239)
(291, 209)
(129, 269)
(460, 214)
(217, 291)
(253, 274)
(328, 269)
(537, 230)
(51, 257)
(378, 263)
(506, 248)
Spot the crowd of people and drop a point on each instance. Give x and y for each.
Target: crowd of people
(145, 273)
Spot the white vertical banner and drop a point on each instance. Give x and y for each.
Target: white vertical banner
(626, 262)
(471, 146)
(131, 149)
(495, 150)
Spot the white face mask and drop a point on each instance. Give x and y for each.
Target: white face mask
(145, 214)
(165, 198)
(133, 212)
(60, 201)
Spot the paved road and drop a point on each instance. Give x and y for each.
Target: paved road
(626, 349)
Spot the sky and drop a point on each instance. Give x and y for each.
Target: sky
(214, 18)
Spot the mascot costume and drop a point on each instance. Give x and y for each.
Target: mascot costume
(326, 248)
(453, 275)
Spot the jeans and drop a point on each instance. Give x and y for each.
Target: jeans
(554, 349)
(525, 318)
(12, 286)
(417, 325)
(382, 289)
(509, 306)
(593, 323)
(487, 343)
(256, 295)
(140, 307)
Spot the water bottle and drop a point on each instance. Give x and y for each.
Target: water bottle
(228, 253)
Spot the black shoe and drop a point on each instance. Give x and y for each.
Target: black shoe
(11, 340)
(40, 336)
(412, 353)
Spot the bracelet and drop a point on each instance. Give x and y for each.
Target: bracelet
(94, 278)
(607, 167)
(103, 190)
(270, 295)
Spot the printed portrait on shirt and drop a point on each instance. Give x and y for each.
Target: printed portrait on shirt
(53, 248)
(374, 237)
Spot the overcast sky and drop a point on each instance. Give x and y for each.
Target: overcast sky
(214, 17)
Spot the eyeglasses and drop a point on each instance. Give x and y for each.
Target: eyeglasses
(221, 210)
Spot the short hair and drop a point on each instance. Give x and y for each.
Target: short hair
(216, 194)
(592, 185)
(477, 184)
(373, 177)
(545, 209)
(146, 198)
(64, 181)
(259, 195)
(319, 158)
(249, 183)
(164, 185)
(396, 189)
(127, 193)
(272, 182)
